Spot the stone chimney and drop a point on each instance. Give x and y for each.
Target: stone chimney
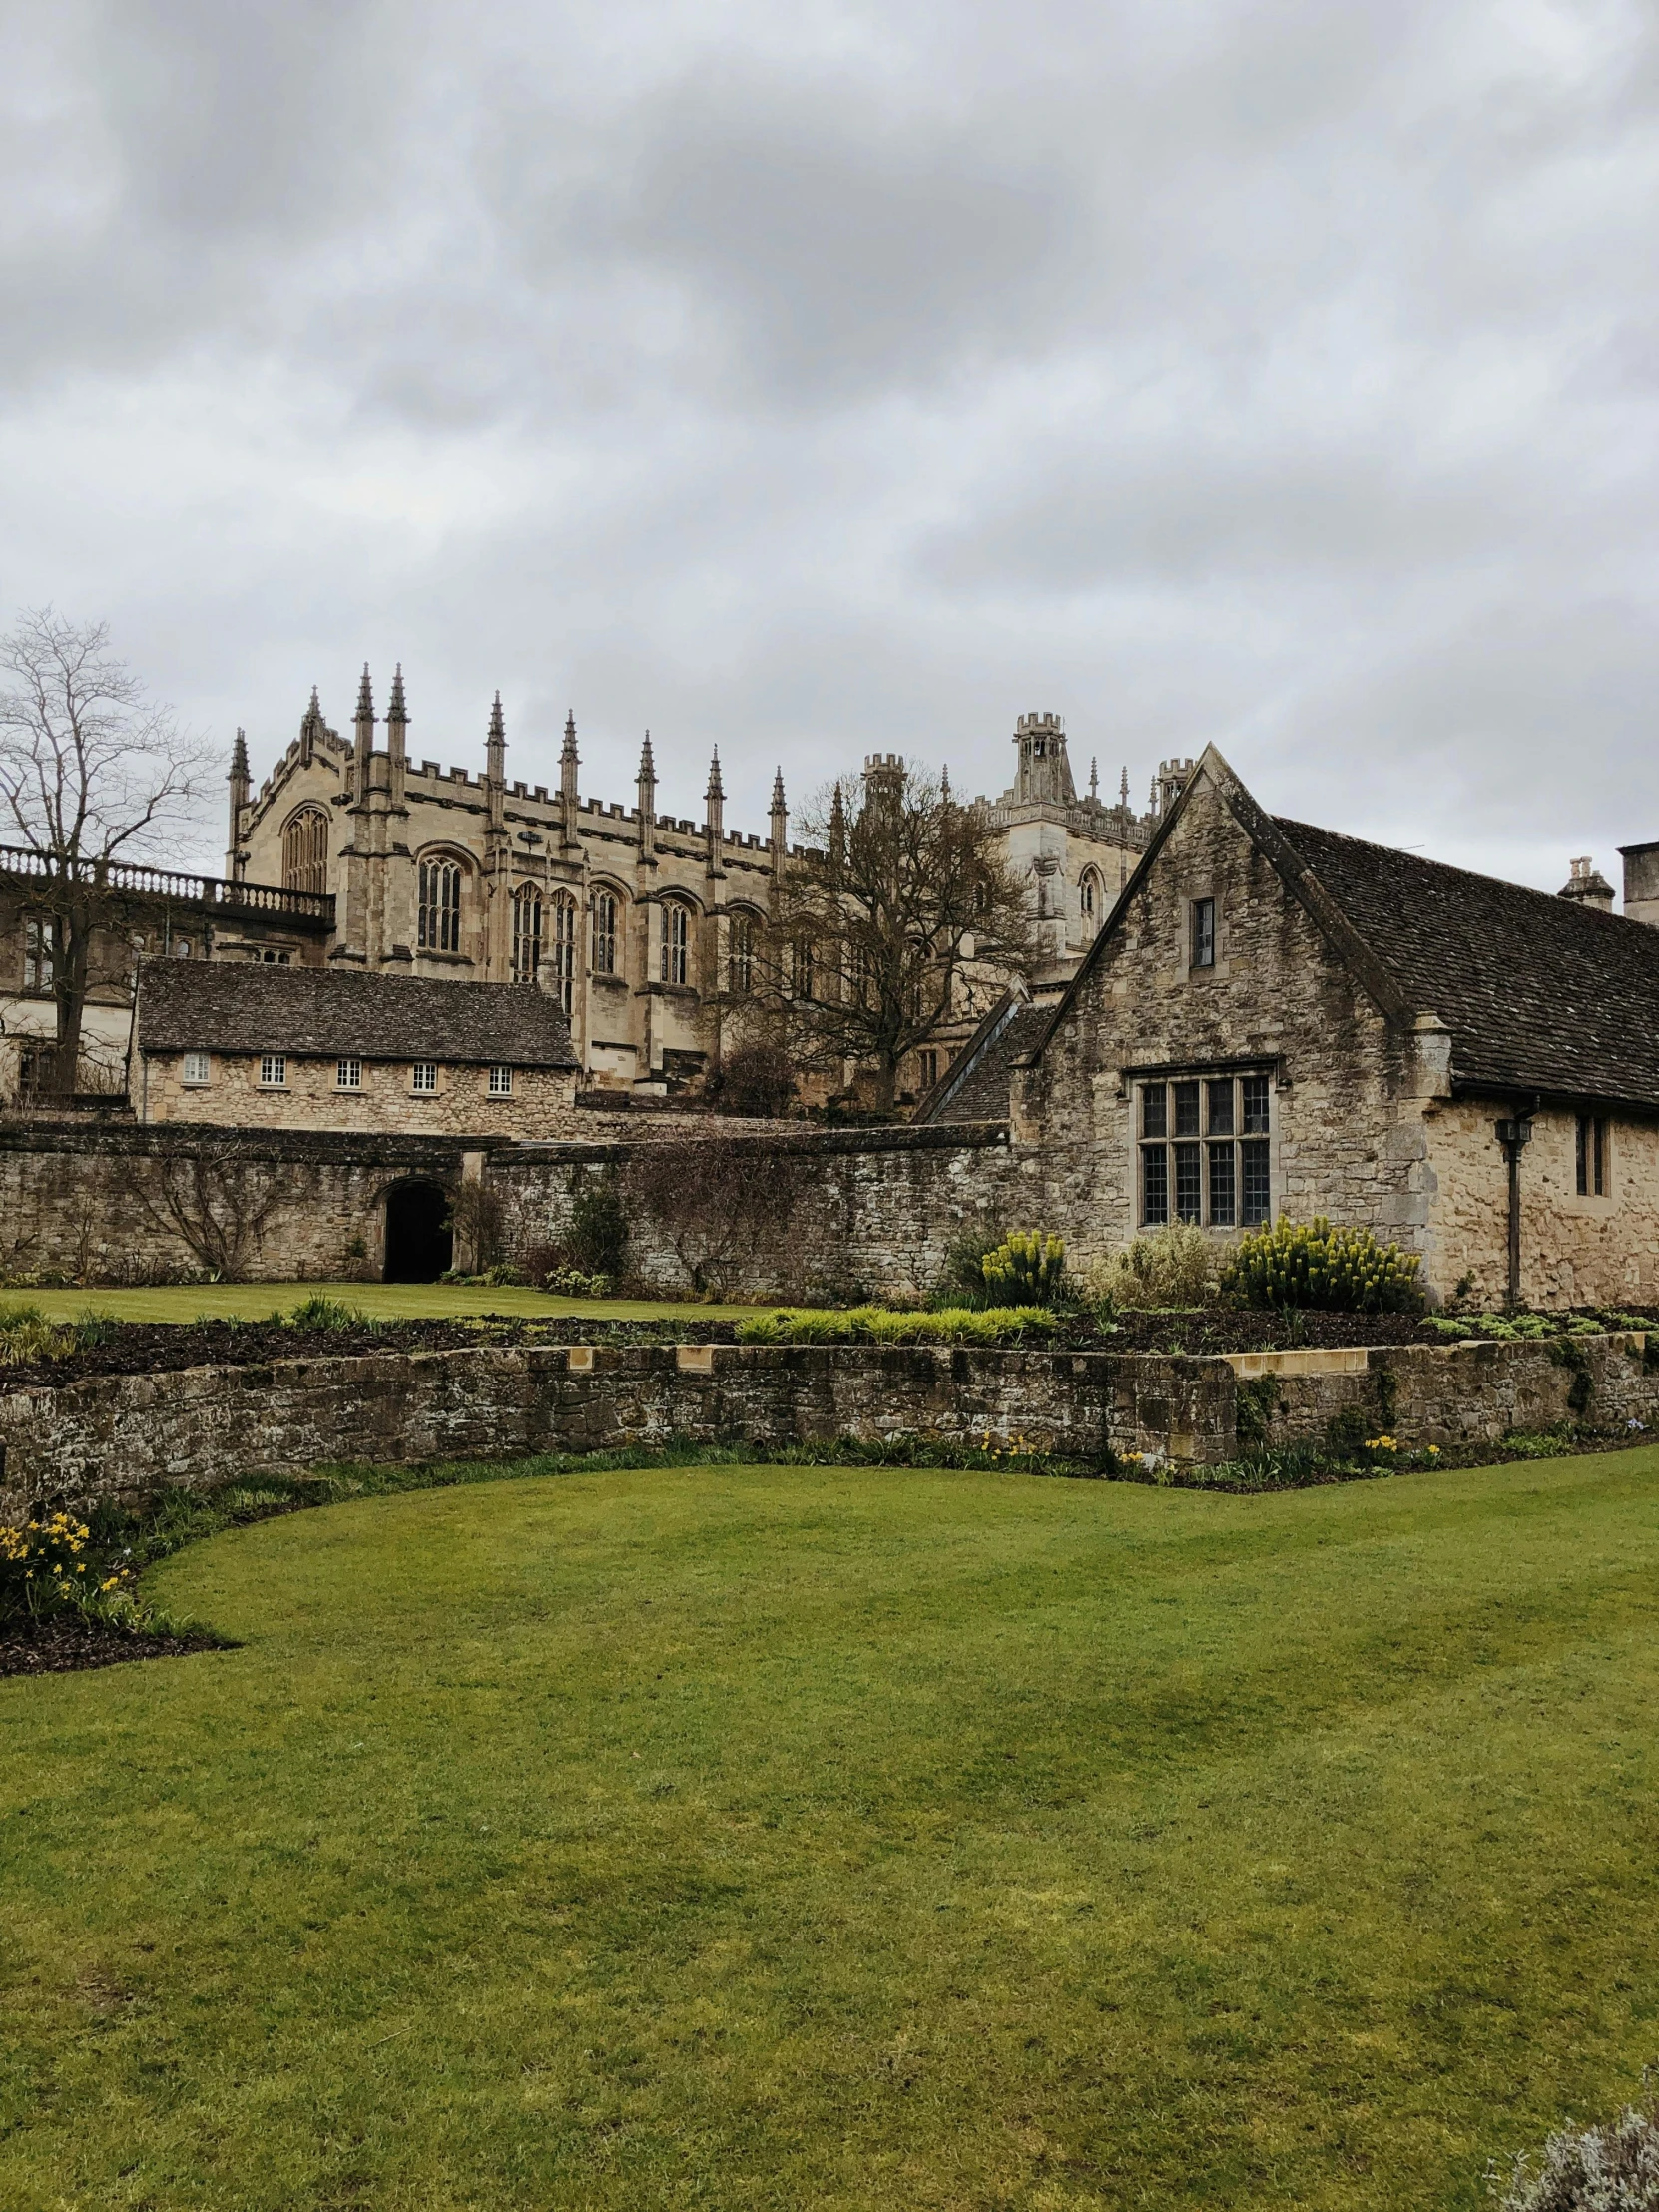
(1641, 881)
(1587, 886)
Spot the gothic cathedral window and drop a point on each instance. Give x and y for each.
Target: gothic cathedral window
(604, 934)
(564, 948)
(441, 906)
(526, 933)
(305, 852)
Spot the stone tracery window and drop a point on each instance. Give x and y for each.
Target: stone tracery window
(604, 934)
(527, 920)
(739, 963)
(306, 851)
(564, 949)
(676, 942)
(441, 906)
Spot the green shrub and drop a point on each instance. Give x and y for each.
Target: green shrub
(598, 1230)
(319, 1310)
(1312, 1265)
(1026, 1270)
(1175, 1266)
(26, 1335)
(873, 1325)
(961, 1280)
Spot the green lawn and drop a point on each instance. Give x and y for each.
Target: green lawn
(381, 1300)
(757, 1838)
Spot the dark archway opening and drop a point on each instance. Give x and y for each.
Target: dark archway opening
(420, 1243)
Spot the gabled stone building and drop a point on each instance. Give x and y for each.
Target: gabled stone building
(1276, 1019)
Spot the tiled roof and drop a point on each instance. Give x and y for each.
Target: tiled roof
(1539, 993)
(976, 1087)
(221, 1006)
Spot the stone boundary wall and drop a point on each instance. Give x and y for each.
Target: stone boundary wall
(839, 1213)
(125, 1435)
(835, 1213)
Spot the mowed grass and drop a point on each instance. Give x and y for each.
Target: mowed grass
(757, 1838)
(183, 1302)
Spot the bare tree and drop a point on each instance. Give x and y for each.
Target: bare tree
(718, 1200)
(871, 944)
(91, 772)
(219, 1202)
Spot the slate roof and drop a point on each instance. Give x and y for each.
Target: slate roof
(976, 1087)
(322, 1013)
(1539, 993)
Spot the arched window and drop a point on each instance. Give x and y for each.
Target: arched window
(306, 851)
(564, 948)
(676, 939)
(804, 967)
(858, 974)
(441, 906)
(604, 932)
(740, 956)
(1093, 897)
(526, 933)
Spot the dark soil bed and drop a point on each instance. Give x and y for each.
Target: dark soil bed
(67, 1642)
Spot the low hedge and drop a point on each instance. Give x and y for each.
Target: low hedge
(874, 1325)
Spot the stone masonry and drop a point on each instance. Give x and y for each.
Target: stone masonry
(110, 1436)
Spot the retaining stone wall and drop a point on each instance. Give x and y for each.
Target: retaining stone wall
(124, 1435)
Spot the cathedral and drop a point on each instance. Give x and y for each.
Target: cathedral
(643, 926)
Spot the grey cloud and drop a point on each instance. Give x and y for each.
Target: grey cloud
(855, 376)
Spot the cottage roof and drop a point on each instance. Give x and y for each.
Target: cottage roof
(977, 1086)
(221, 1006)
(1539, 993)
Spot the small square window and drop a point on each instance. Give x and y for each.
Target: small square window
(1255, 1093)
(273, 1070)
(1203, 933)
(425, 1076)
(1221, 1108)
(502, 1082)
(1154, 1110)
(1186, 1109)
(196, 1067)
(349, 1075)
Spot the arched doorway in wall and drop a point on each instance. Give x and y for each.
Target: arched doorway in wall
(420, 1243)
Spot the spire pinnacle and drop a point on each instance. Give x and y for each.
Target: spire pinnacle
(570, 735)
(1123, 789)
(1094, 777)
(717, 788)
(238, 756)
(397, 712)
(648, 766)
(498, 725)
(365, 698)
(778, 790)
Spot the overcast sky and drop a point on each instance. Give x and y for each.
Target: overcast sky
(829, 379)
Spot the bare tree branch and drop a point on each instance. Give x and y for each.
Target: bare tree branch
(91, 771)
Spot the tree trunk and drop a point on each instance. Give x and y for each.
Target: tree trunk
(69, 983)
